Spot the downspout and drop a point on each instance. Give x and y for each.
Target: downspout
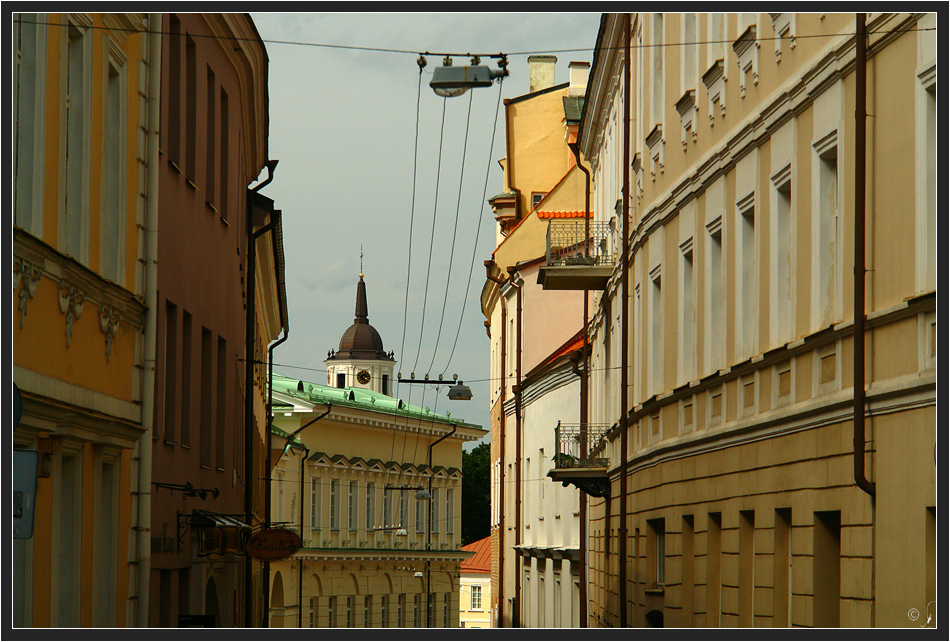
(860, 163)
(501, 449)
(303, 463)
(144, 518)
(624, 340)
(585, 383)
(430, 616)
(250, 336)
(270, 475)
(516, 610)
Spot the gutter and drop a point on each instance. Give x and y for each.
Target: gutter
(860, 164)
(516, 389)
(250, 336)
(499, 599)
(624, 323)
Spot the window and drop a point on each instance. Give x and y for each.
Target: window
(450, 510)
(826, 571)
(349, 611)
(782, 569)
(185, 379)
(211, 132)
(112, 218)
(351, 510)
(331, 612)
(191, 110)
(171, 370)
(687, 315)
(370, 512)
(368, 611)
(335, 504)
(315, 504)
(657, 55)
(384, 611)
(714, 339)
(656, 331)
(225, 156)
(29, 122)
(825, 230)
(746, 310)
(746, 566)
(76, 144)
(657, 546)
(537, 197)
(223, 402)
(434, 504)
(206, 431)
(781, 257)
(476, 597)
(313, 612)
(401, 611)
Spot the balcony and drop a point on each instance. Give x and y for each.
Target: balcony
(578, 255)
(580, 457)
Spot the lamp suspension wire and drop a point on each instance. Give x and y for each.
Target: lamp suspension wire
(478, 228)
(435, 208)
(458, 206)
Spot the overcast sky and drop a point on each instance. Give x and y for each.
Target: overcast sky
(344, 96)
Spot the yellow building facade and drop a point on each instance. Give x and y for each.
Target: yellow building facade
(80, 88)
(752, 483)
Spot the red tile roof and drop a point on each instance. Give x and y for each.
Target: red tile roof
(481, 562)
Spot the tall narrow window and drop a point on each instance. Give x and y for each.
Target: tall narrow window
(658, 52)
(191, 109)
(68, 565)
(687, 320)
(384, 611)
(434, 507)
(331, 612)
(746, 567)
(370, 512)
(689, 62)
(688, 563)
(112, 222)
(714, 338)
(782, 273)
(185, 379)
(171, 371)
(225, 158)
(221, 429)
(746, 309)
(28, 123)
(657, 550)
(825, 278)
(351, 516)
(450, 511)
(106, 533)
(335, 504)
(211, 132)
(75, 208)
(656, 334)
(206, 432)
(826, 570)
(173, 134)
(781, 572)
(315, 522)
(713, 569)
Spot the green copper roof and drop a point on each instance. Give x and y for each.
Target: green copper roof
(359, 398)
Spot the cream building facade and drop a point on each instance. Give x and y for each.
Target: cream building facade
(752, 483)
(373, 486)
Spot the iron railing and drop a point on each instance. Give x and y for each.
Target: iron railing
(580, 445)
(577, 242)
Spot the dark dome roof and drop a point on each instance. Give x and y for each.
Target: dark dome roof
(361, 340)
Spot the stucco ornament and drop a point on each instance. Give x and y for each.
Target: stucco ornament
(26, 277)
(109, 324)
(71, 301)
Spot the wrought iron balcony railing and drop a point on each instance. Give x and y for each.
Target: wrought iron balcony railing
(577, 242)
(580, 446)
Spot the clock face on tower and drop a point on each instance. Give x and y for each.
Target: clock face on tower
(363, 377)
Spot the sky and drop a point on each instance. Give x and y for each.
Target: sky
(377, 174)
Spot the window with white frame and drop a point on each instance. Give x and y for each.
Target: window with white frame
(746, 277)
(450, 511)
(714, 337)
(315, 487)
(351, 508)
(28, 134)
(335, 504)
(825, 229)
(76, 139)
(369, 515)
(476, 597)
(434, 520)
(687, 314)
(112, 217)
(781, 257)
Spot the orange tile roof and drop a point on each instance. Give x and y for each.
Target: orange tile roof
(481, 562)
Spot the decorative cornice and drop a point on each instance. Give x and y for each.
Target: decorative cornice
(26, 277)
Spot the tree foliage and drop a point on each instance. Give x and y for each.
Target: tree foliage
(476, 494)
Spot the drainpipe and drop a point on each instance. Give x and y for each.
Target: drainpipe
(585, 383)
(144, 518)
(250, 336)
(270, 476)
(860, 116)
(501, 450)
(624, 340)
(516, 610)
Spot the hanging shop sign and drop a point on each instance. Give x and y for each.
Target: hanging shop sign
(273, 544)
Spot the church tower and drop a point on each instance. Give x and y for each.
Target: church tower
(361, 361)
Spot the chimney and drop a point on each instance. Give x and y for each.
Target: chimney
(579, 72)
(541, 72)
